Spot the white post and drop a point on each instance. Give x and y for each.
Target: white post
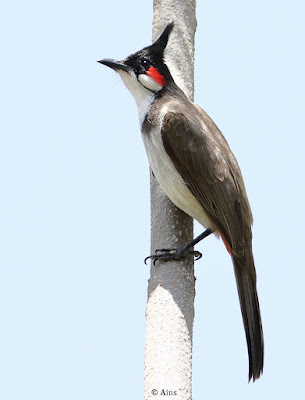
(171, 289)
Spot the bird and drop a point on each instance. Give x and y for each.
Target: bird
(195, 167)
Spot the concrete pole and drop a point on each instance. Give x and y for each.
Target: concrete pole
(171, 288)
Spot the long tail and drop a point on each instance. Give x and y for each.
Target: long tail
(246, 284)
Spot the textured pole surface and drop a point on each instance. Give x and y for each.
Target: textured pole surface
(171, 289)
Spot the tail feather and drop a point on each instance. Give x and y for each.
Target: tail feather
(246, 285)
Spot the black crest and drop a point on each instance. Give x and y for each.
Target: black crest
(156, 50)
(158, 47)
(152, 56)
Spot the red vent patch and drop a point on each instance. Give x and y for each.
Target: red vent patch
(229, 250)
(155, 74)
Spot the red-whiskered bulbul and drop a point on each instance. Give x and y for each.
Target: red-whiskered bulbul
(197, 170)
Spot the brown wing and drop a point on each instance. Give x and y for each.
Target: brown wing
(203, 158)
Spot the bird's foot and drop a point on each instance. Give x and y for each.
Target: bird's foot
(173, 254)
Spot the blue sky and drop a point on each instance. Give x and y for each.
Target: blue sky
(75, 221)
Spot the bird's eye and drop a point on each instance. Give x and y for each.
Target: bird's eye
(145, 62)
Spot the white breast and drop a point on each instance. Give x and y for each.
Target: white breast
(168, 177)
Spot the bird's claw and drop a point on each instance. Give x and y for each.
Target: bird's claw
(172, 254)
(196, 254)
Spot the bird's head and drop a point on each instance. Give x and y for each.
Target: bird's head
(144, 72)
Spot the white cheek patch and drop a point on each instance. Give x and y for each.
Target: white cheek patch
(149, 83)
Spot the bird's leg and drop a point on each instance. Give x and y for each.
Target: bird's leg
(175, 254)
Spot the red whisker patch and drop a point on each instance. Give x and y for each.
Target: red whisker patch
(155, 74)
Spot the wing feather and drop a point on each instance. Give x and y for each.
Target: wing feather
(203, 158)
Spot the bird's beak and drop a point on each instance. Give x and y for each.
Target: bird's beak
(116, 65)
